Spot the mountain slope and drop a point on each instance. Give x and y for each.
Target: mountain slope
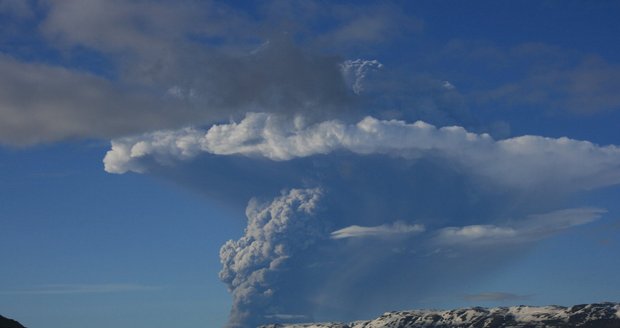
(598, 315)
(9, 323)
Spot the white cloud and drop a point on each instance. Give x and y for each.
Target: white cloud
(532, 228)
(476, 233)
(384, 230)
(561, 164)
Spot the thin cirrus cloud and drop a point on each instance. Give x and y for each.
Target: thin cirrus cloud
(532, 228)
(476, 234)
(384, 230)
(587, 88)
(56, 289)
(548, 77)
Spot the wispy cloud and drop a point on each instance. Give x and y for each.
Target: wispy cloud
(397, 228)
(478, 233)
(532, 228)
(81, 289)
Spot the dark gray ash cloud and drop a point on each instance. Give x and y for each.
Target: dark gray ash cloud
(39, 103)
(168, 64)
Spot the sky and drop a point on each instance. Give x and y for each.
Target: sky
(235, 163)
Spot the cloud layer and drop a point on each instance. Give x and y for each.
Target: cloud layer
(42, 103)
(168, 64)
(520, 162)
(115, 68)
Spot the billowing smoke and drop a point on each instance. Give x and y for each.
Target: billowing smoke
(401, 206)
(254, 265)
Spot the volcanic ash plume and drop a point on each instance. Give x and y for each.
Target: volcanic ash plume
(254, 265)
(408, 210)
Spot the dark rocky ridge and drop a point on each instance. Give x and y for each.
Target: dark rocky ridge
(9, 323)
(597, 315)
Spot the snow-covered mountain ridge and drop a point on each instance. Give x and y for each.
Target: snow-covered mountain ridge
(597, 315)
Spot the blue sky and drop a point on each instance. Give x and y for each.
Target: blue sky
(137, 139)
